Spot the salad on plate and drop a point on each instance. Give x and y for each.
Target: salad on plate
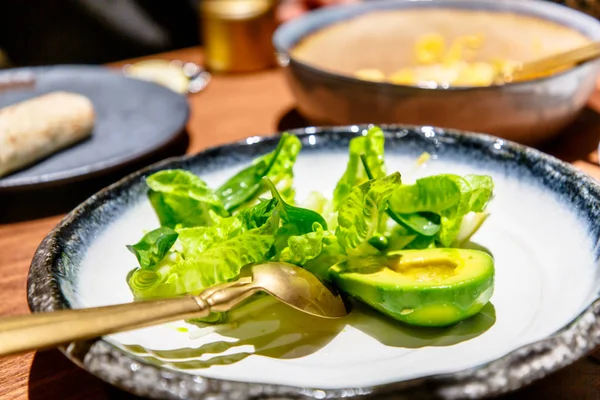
(397, 247)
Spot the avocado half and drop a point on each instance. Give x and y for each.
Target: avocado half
(431, 287)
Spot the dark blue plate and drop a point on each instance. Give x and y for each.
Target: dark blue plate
(134, 118)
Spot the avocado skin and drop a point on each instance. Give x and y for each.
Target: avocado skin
(438, 304)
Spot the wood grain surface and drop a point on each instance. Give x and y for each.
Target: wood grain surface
(231, 108)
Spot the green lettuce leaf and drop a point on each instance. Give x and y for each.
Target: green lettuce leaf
(372, 146)
(193, 269)
(295, 221)
(153, 247)
(282, 172)
(181, 198)
(469, 225)
(421, 242)
(316, 251)
(224, 260)
(258, 215)
(433, 193)
(427, 224)
(322, 205)
(247, 185)
(305, 247)
(482, 191)
(449, 196)
(331, 254)
(359, 215)
(197, 239)
(302, 218)
(399, 237)
(474, 198)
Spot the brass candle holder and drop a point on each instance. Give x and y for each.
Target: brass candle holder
(237, 34)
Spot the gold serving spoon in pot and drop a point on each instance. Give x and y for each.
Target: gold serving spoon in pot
(551, 64)
(288, 283)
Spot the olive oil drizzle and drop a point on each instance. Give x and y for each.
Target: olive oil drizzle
(277, 331)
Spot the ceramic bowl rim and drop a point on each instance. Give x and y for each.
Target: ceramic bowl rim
(284, 56)
(537, 359)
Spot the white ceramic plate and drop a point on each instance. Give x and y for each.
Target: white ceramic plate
(542, 233)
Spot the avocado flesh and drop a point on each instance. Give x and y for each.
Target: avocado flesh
(432, 287)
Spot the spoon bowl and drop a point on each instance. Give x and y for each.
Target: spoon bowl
(299, 289)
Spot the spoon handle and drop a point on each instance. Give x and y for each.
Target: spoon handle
(50, 329)
(556, 62)
(44, 330)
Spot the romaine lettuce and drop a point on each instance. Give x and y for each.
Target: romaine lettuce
(181, 198)
(203, 260)
(359, 214)
(447, 195)
(316, 251)
(303, 248)
(282, 171)
(153, 247)
(426, 224)
(372, 146)
(295, 221)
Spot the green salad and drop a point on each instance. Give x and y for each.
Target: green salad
(392, 245)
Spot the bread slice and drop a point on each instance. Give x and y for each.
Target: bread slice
(36, 128)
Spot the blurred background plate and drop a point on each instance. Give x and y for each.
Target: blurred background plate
(134, 119)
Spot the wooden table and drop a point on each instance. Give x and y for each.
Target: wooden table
(231, 108)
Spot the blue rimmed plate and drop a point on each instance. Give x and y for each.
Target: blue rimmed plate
(543, 232)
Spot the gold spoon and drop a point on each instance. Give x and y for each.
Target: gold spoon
(551, 64)
(288, 283)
